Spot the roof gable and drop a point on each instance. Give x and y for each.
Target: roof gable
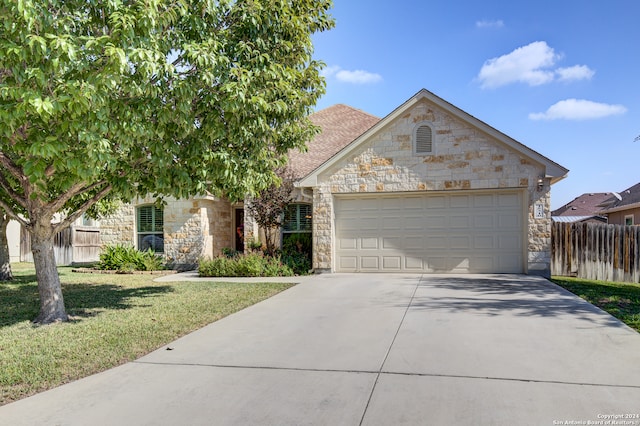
(552, 170)
(340, 125)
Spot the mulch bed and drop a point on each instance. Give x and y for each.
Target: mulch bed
(104, 271)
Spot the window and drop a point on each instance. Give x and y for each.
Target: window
(297, 218)
(150, 226)
(628, 220)
(423, 139)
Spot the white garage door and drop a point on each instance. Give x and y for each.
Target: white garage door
(470, 232)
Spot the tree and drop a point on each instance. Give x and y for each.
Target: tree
(5, 259)
(268, 207)
(162, 97)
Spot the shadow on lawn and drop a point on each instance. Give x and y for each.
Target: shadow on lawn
(19, 300)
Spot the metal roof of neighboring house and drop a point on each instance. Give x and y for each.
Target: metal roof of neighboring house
(340, 125)
(629, 198)
(585, 205)
(571, 219)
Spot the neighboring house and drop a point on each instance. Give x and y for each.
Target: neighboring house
(429, 188)
(13, 240)
(623, 208)
(585, 208)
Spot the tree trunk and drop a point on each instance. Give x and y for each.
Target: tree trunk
(5, 258)
(51, 300)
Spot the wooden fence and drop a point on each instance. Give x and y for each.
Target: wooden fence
(73, 245)
(596, 251)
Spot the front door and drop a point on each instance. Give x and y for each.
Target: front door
(239, 231)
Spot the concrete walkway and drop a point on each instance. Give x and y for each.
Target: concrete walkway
(347, 349)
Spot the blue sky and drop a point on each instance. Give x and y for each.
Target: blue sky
(562, 77)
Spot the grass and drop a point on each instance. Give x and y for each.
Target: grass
(622, 300)
(116, 319)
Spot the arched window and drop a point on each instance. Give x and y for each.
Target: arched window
(423, 139)
(150, 227)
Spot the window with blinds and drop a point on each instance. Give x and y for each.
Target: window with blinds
(150, 227)
(423, 139)
(297, 218)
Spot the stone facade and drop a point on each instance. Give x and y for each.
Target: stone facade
(463, 158)
(193, 228)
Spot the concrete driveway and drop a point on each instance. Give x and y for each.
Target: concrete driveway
(347, 349)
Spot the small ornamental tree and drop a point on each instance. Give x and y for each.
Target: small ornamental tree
(162, 97)
(268, 207)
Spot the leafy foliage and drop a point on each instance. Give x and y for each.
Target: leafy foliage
(246, 265)
(296, 252)
(165, 97)
(268, 207)
(126, 259)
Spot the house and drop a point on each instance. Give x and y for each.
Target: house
(428, 188)
(623, 208)
(585, 208)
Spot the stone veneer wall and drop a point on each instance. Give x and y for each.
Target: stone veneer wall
(464, 158)
(193, 228)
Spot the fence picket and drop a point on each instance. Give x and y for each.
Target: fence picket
(596, 251)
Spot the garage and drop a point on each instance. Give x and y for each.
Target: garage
(440, 232)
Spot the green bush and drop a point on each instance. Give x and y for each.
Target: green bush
(244, 265)
(127, 259)
(296, 252)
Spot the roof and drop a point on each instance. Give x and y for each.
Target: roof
(554, 171)
(340, 125)
(588, 204)
(627, 199)
(572, 219)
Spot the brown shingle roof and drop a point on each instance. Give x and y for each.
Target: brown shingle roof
(340, 125)
(630, 197)
(584, 205)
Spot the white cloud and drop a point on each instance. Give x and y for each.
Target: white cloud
(490, 24)
(532, 64)
(330, 71)
(358, 77)
(578, 109)
(576, 72)
(527, 64)
(353, 77)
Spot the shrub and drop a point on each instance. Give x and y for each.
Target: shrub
(296, 252)
(244, 265)
(127, 259)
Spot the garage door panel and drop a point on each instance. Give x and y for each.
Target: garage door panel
(471, 232)
(484, 221)
(435, 222)
(391, 262)
(459, 222)
(369, 263)
(433, 243)
(459, 201)
(392, 243)
(370, 243)
(348, 263)
(413, 263)
(346, 243)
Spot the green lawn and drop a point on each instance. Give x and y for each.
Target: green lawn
(622, 300)
(116, 318)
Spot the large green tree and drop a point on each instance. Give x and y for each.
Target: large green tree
(165, 97)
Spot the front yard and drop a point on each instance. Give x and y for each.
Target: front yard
(622, 300)
(116, 319)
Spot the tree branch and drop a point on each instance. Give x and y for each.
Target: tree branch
(67, 221)
(14, 169)
(12, 214)
(4, 183)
